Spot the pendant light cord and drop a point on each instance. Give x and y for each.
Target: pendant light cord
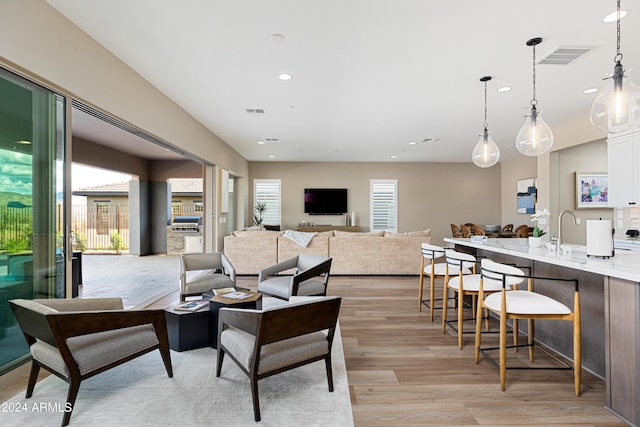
(485, 106)
(618, 57)
(534, 101)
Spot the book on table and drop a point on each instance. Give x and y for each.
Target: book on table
(223, 291)
(193, 305)
(237, 295)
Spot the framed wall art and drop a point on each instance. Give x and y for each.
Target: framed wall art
(592, 190)
(527, 195)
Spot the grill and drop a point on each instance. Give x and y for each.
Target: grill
(186, 223)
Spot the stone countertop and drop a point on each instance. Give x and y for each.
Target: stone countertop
(624, 265)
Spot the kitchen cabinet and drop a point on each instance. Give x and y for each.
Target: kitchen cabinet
(623, 160)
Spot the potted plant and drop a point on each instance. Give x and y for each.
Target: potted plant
(540, 218)
(260, 209)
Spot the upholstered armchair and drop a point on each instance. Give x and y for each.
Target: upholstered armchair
(277, 339)
(77, 339)
(202, 272)
(310, 277)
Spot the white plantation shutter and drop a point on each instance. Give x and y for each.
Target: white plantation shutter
(384, 205)
(267, 191)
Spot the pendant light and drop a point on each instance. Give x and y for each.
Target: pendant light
(486, 153)
(617, 108)
(535, 136)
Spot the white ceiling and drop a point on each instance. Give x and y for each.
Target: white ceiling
(369, 76)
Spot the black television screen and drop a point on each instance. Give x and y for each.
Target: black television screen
(325, 201)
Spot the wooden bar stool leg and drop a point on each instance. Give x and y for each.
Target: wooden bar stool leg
(530, 335)
(460, 313)
(432, 295)
(478, 342)
(421, 285)
(503, 342)
(515, 335)
(577, 344)
(445, 305)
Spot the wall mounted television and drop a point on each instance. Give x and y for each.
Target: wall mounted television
(325, 201)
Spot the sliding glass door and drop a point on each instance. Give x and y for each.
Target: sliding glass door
(31, 203)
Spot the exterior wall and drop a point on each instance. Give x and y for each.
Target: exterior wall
(160, 210)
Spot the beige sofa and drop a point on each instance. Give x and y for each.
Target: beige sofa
(376, 253)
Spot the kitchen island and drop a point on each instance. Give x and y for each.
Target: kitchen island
(610, 304)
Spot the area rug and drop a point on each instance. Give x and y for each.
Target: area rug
(139, 393)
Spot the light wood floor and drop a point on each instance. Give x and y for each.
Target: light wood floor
(403, 371)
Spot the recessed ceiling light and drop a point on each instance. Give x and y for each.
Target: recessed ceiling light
(613, 16)
(271, 156)
(261, 142)
(590, 90)
(504, 89)
(394, 157)
(277, 38)
(412, 143)
(285, 76)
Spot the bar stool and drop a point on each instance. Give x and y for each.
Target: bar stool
(463, 285)
(435, 271)
(521, 304)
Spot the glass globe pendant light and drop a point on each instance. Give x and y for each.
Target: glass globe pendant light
(486, 153)
(617, 108)
(535, 136)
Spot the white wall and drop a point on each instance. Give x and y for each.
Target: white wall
(590, 157)
(513, 170)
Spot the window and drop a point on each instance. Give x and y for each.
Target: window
(176, 208)
(267, 191)
(384, 205)
(32, 231)
(102, 218)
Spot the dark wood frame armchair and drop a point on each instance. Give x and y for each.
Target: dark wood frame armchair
(60, 325)
(213, 271)
(310, 277)
(276, 332)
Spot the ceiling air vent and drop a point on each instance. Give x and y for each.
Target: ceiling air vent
(564, 55)
(271, 140)
(256, 111)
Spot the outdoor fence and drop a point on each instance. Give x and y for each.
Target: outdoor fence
(15, 228)
(93, 225)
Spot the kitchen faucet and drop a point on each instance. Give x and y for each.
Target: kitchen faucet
(559, 241)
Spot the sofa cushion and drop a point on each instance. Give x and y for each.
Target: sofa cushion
(275, 355)
(250, 255)
(257, 233)
(339, 233)
(94, 351)
(423, 233)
